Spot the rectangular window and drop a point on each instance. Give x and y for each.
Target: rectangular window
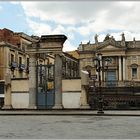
(134, 72)
(111, 78)
(12, 58)
(27, 62)
(20, 60)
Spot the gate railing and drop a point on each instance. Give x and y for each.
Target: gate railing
(115, 97)
(115, 83)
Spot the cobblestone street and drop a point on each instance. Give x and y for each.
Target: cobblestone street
(70, 127)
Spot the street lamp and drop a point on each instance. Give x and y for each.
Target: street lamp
(100, 65)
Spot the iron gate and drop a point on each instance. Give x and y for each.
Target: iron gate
(45, 86)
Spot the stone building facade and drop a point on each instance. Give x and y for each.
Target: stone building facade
(16, 63)
(120, 80)
(13, 58)
(124, 58)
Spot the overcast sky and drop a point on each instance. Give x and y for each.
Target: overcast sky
(79, 20)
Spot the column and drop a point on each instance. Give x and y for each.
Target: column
(7, 92)
(58, 82)
(120, 69)
(32, 81)
(124, 69)
(84, 94)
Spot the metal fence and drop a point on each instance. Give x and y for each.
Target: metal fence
(115, 83)
(118, 95)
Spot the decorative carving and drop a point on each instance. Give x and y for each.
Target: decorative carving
(123, 39)
(134, 43)
(107, 37)
(88, 42)
(96, 39)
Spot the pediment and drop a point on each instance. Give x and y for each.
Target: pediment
(110, 45)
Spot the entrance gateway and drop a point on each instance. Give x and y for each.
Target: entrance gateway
(42, 92)
(45, 86)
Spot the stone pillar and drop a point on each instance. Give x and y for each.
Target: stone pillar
(58, 82)
(124, 69)
(32, 81)
(7, 92)
(84, 82)
(120, 69)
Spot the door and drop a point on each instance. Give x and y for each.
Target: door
(45, 86)
(111, 78)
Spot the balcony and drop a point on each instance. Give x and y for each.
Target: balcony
(21, 67)
(13, 65)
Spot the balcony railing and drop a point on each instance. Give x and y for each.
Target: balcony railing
(13, 65)
(21, 67)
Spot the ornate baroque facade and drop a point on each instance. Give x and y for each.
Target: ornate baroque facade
(124, 65)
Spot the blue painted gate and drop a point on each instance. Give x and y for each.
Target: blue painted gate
(45, 86)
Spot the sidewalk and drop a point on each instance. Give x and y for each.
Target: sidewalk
(71, 112)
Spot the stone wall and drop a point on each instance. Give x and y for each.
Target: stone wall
(20, 93)
(71, 93)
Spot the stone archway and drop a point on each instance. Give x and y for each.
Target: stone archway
(46, 44)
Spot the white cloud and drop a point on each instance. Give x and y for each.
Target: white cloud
(58, 30)
(39, 28)
(85, 17)
(68, 46)
(54, 11)
(81, 12)
(43, 29)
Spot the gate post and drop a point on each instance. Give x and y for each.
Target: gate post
(84, 82)
(32, 81)
(58, 82)
(7, 92)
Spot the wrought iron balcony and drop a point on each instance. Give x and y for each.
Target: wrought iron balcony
(21, 67)
(13, 65)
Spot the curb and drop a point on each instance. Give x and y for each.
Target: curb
(65, 114)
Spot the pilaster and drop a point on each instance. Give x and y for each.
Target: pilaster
(120, 69)
(58, 82)
(124, 69)
(32, 81)
(84, 98)
(7, 92)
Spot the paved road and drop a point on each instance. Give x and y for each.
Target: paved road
(71, 112)
(69, 127)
